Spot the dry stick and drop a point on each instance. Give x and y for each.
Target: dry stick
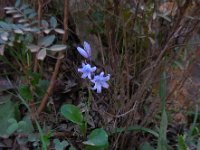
(40, 6)
(58, 62)
(31, 103)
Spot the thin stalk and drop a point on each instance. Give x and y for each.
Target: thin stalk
(58, 62)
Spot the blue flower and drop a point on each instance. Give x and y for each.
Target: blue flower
(100, 81)
(86, 52)
(87, 70)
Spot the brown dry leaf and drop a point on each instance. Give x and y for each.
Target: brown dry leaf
(170, 7)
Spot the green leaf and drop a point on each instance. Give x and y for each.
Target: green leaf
(198, 144)
(162, 140)
(97, 138)
(5, 26)
(135, 128)
(47, 31)
(181, 143)
(12, 127)
(17, 16)
(32, 15)
(17, 3)
(162, 90)
(57, 48)
(42, 54)
(72, 148)
(41, 88)
(24, 6)
(47, 41)
(60, 31)
(25, 92)
(7, 111)
(35, 78)
(9, 8)
(45, 24)
(60, 145)
(53, 22)
(28, 11)
(72, 113)
(4, 36)
(33, 48)
(146, 146)
(11, 11)
(25, 126)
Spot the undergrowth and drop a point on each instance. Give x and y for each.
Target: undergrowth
(99, 75)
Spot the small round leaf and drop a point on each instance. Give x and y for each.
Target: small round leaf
(72, 113)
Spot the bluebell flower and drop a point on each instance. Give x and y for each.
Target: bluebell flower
(87, 70)
(100, 81)
(86, 52)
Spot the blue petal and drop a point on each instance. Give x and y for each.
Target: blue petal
(93, 69)
(87, 48)
(105, 85)
(101, 74)
(80, 69)
(107, 77)
(84, 75)
(82, 52)
(83, 64)
(98, 89)
(89, 76)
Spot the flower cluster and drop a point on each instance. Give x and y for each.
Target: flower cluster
(99, 81)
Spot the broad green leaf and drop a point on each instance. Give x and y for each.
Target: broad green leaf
(60, 145)
(181, 143)
(45, 24)
(25, 92)
(4, 36)
(198, 144)
(42, 54)
(28, 11)
(9, 8)
(11, 11)
(57, 48)
(12, 127)
(72, 148)
(17, 3)
(47, 31)
(47, 41)
(53, 22)
(33, 48)
(34, 78)
(97, 138)
(18, 31)
(60, 31)
(17, 16)
(41, 88)
(88, 147)
(146, 146)
(24, 6)
(5, 26)
(72, 113)
(32, 15)
(162, 140)
(25, 126)
(7, 111)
